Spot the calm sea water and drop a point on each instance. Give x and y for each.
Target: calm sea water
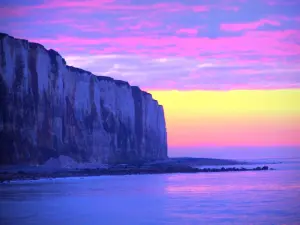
(264, 197)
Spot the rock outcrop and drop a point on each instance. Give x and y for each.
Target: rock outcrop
(48, 109)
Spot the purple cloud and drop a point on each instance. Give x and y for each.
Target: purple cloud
(220, 44)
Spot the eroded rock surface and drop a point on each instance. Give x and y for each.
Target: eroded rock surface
(48, 109)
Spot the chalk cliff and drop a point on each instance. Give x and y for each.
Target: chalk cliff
(48, 109)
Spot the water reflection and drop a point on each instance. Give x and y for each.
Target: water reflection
(233, 198)
(267, 197)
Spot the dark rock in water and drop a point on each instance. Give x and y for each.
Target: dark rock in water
(261, 168)
(49, 109)
(231, 169)
(118, 170)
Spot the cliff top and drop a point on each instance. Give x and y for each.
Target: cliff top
(53, 54)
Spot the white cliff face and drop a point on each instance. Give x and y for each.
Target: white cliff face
(48, 109)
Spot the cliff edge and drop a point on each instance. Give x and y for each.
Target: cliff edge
(48, 109)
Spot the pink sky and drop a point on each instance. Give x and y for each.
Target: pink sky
(180, 45)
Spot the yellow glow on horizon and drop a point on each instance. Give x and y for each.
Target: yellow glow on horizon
(231, 102)
(251, 117)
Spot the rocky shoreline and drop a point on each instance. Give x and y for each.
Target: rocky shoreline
(6, 176)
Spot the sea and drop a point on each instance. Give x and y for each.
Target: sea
(250, 197)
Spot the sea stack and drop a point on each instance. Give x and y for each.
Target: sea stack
(48, 109)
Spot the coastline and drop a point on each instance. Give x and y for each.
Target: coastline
(175, 165)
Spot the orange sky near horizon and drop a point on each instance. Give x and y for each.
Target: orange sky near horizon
(232, 118)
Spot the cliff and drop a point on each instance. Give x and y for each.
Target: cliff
(48, 109)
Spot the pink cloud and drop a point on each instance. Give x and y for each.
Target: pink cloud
(263, 43)
(247, 85)
(143, 24)
(272, 71)
(69, 5)
(248, 26)
(56, 21)
(190, 31)
(162, 30)
(97, 26)
(200, 8)
(173, 7)
(73, 4)
(96, 5)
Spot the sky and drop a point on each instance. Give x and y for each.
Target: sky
(226, 71)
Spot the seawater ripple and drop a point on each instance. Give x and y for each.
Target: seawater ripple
(264, 197)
